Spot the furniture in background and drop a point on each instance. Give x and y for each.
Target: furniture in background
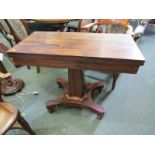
(11, 85)
(15, 30)
(9, 114)
(61, 23)
(77, 52)
(5, 31)
(139, 30)
(152, 21)
(79, 25)
(111, 26)
(41, 26)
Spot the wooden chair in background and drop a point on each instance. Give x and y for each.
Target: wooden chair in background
(15, 30)
(9, 114)
(110, 26)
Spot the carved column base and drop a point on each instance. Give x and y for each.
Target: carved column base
(75, 101)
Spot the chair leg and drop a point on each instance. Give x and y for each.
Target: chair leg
(115, 76)
(25, 125)
(28, 67)
(68, 29)
(38, 69)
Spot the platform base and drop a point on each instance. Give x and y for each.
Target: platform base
(75, 101)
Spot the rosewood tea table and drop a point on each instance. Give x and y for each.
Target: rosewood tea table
(77, 52)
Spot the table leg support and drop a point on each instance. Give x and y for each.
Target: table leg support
(85, 101)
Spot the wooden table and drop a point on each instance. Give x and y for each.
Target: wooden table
(78, 52)
(61, 22)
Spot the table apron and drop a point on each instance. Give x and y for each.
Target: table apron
(81, 64)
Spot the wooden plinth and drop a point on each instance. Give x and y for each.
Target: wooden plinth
(77, 94)
(11, 86)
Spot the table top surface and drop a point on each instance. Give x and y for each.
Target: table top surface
(84, 45)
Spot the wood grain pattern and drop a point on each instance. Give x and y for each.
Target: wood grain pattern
(79, 51)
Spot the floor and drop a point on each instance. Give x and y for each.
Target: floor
(129, 108)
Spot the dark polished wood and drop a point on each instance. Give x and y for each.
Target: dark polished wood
(78, 52)
(76, 93)
(11, 86)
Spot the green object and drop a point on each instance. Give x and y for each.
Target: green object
(35, 26)
(73, 24)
